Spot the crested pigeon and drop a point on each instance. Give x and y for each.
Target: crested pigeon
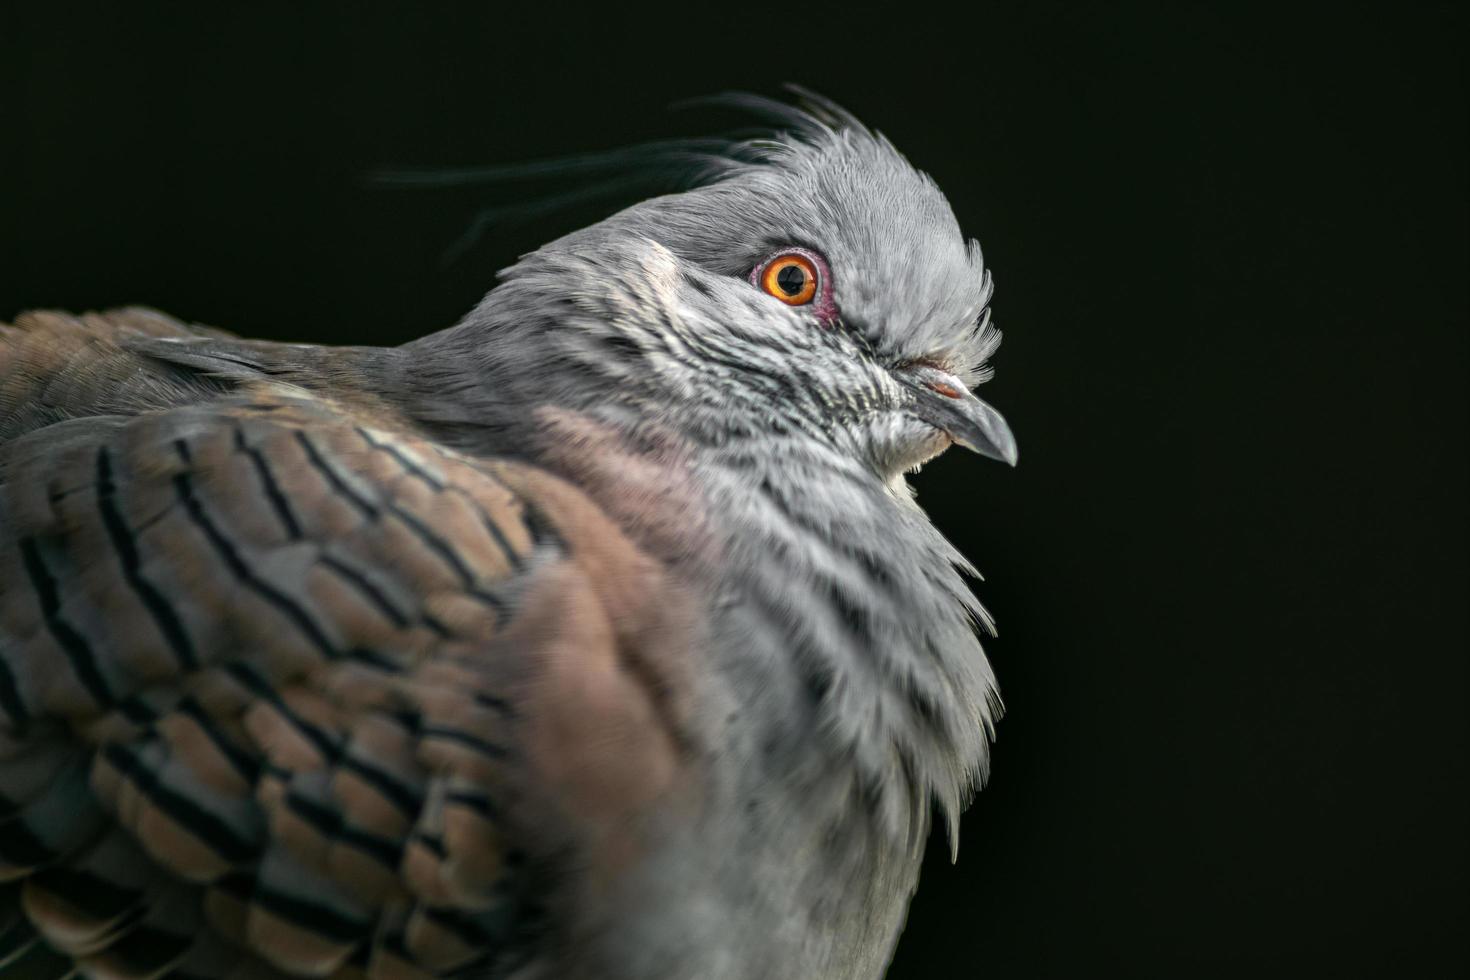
(597, 636)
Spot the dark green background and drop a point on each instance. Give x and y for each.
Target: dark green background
(1230, 249)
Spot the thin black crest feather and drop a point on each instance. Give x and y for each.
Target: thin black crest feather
(615, 160)
(657, 166)
(809, 115)
(532, 208)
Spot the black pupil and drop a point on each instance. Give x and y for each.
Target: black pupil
(791, 279)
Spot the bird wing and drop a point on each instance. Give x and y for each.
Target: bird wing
(276, 677)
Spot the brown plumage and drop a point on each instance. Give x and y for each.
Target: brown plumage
(254, 718)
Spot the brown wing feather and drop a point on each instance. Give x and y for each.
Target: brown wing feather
(276, 676)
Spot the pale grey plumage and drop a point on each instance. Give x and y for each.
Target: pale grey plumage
(756, 453)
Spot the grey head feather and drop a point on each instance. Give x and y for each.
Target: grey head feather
(799, 424)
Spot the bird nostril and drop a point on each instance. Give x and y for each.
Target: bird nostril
(944, 388)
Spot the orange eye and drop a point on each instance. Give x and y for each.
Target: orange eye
(791, 279)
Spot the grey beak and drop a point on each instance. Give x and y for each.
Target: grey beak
(944, 402)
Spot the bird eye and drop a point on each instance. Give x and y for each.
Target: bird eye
(790, 277)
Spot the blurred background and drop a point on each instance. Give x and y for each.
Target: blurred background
(1230, 250)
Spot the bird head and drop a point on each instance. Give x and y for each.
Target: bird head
(810, 283)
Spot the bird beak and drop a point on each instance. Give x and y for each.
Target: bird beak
(942, 400)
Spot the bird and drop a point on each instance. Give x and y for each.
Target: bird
(598, 635)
